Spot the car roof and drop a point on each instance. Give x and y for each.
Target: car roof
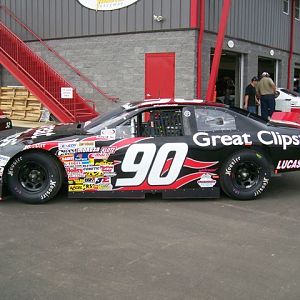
(170, 102)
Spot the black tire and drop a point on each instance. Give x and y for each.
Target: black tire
(245, 175)
(34, 177)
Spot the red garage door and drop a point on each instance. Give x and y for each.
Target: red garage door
(159, 75)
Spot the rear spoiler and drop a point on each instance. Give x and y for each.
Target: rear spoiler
(286, 118)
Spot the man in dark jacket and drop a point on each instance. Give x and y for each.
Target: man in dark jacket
(250, 96)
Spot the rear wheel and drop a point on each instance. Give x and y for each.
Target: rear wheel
(34, 178)
(245, 175)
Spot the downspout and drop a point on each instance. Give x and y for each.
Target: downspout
(218, 50)
(291, 45)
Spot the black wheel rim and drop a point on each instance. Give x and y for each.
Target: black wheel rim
(246, 175)
(33, 177)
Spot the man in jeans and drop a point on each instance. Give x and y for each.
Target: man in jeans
(250, 96)
(266, 90)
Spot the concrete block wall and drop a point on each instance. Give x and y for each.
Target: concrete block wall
(116, 63)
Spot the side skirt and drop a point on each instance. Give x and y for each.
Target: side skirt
(166, 194)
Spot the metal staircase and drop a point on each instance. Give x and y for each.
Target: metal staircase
(41, 79)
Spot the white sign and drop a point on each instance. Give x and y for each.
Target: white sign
(66, 93)
(106, 4)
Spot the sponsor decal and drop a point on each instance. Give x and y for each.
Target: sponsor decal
(203, 139)
(76, 181)
(89, 180)
(109, 134)
(13, 165)
(74, 173)
(49, 191)
(76, 188)
(261, 189)
(104, 163)
(231, 165)
(11, 140)
(268, 138)
(43, 131)
(88, 186)
(206, 181)
(187, 113)
(94, 174)
(102, 181)
(81, 157)
(35, 146)
(106, 4)
(67, 158)
(288, 164)
(86, 144)
(4, 160)
(65, 152)
(67, 146)
(277, 139)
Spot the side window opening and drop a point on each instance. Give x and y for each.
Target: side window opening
(161, 123)
(214, 120)
(156, 123)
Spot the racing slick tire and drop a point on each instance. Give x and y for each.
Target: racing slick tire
(34, 177)
(245, 175)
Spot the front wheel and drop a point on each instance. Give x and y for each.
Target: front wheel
(34, 177)
(245, 175)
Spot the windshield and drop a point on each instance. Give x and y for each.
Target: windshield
(107, 121)
(103, 118)
(290, 92)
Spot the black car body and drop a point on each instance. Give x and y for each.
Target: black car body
(178, 148)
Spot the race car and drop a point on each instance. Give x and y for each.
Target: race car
(174, 147)
(5, 123)
(287, 101)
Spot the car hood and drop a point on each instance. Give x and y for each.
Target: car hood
(42, 134)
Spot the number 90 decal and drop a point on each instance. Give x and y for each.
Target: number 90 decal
(152, 164)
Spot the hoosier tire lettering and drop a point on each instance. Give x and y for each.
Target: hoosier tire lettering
(245, 175)
(34, 177)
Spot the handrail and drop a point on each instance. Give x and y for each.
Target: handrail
(66, 83)
(69, 107)
(84, 78)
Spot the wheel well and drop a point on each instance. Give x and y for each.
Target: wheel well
(266, 154)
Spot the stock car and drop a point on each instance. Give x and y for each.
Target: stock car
(5, 123)
(177, 148)
(286, 100)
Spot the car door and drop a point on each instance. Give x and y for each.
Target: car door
(155, 147)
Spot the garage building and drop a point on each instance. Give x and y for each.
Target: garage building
(149, 48)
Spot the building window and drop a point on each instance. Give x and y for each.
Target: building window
(297, 9)
(286, 6)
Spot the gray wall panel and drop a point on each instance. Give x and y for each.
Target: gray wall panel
(260, 21)
(68, 18)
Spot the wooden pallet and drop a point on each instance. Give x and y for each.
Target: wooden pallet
(19, 104)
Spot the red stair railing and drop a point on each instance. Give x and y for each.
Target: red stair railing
(41, 79)
(8, 12)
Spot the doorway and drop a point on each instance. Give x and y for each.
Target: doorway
(268, 65)
(229, 80)
(159, 75)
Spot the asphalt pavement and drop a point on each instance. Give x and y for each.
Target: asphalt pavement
(153, 249)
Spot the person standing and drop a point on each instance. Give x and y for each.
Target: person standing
(266, 89)
(251, 100)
